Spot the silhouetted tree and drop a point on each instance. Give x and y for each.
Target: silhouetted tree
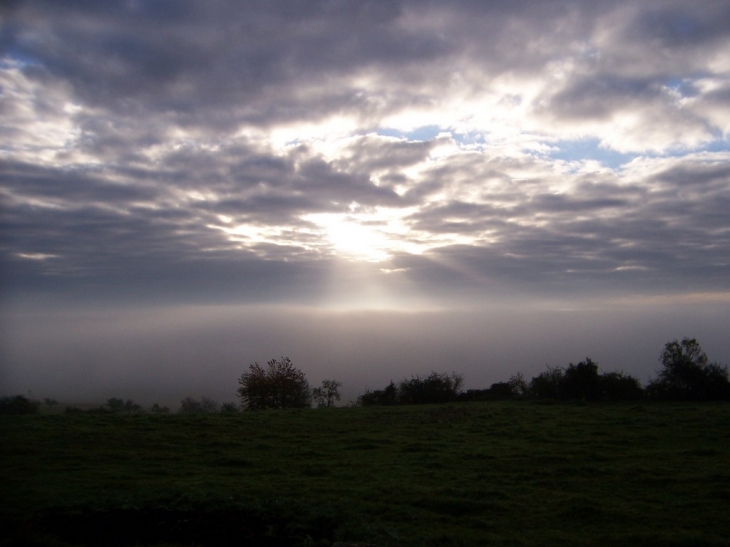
(499, 391)
(686, 374)
(18, 404)
(327, 393)
(520, 387)
(581, 381)
(434, 388)
(209, 406)
(120, 406)
(280, 385)
(548, 384)
(229, 408)
(189, 405)
(617, 386)
(379, 397)
(157, 409)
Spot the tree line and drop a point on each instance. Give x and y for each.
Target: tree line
(685, 374)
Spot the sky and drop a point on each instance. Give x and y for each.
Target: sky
(375, 189)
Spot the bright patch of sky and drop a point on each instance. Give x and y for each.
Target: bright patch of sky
(425, 133)
(587, 150)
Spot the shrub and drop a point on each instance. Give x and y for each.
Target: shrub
(18, 404)
(548, 384)
(617, 386)
(582, 382)
(434, 388)
(379, 397)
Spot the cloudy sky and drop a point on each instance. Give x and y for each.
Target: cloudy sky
(374, 188)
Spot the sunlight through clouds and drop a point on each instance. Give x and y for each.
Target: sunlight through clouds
(437, 155)
(372, 236)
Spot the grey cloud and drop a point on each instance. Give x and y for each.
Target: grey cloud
(552, 203)
(318, 176)
(77, 187)
(373, 153)
(600, 234)
(680, 25)
(224, 55)
(693, 177)
(459, 217)
(599, 237)
(270, 183)
(152, 67)
(260, 63)
(600, 96)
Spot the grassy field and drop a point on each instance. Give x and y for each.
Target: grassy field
(507, 473)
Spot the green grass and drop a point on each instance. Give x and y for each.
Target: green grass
(471, 474)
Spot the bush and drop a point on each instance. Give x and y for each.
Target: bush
(582, 382)
(497, 392)
(434, 388)
(548, 384)
(380, 397)
(617, 386)
(18, 404)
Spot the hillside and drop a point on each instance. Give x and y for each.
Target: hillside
(507, 473)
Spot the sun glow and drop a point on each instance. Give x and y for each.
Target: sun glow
(371, 236)
(351, 239)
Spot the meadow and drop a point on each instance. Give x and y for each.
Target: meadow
(471, 474)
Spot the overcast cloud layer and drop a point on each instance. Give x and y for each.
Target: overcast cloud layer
(395, 154)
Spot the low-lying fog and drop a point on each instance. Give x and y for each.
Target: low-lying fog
(159, 355)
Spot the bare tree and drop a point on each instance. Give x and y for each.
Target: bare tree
(280, 385)
(327, 393)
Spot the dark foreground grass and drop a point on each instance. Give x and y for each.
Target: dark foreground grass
(472, 474)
